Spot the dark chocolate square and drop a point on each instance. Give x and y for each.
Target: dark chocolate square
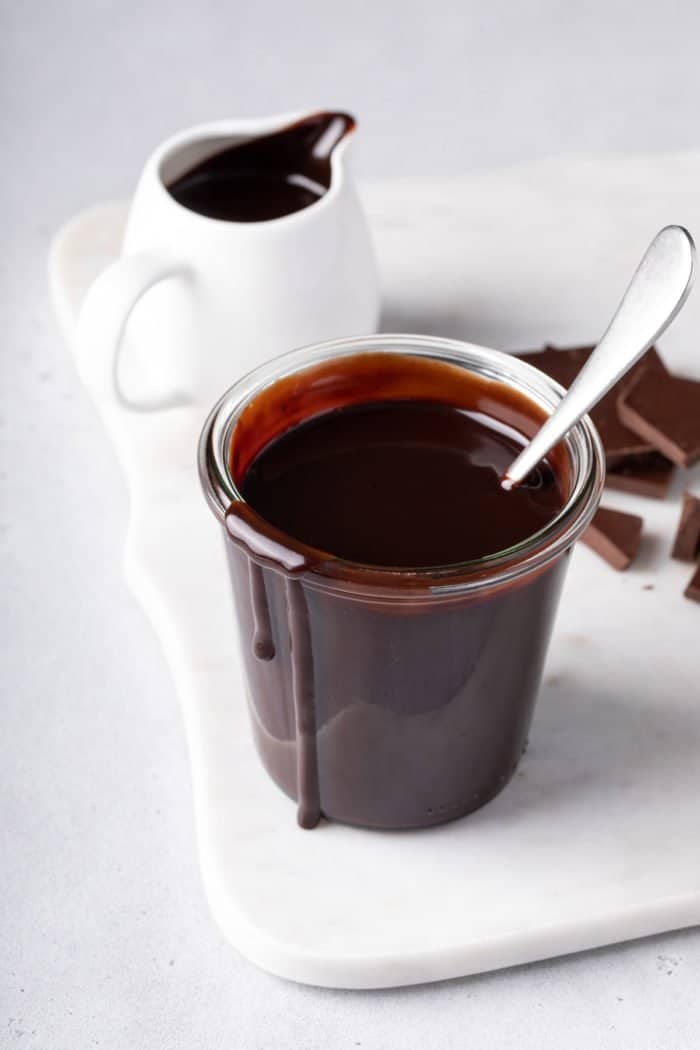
(564, 364)
(665, 411)
(615, 536)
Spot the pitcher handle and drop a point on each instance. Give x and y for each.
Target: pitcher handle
(102, 320)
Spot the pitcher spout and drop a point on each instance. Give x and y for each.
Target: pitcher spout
(334, 137)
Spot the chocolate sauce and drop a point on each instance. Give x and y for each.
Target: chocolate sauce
(379, 695)
(265, 177)
(408, 484)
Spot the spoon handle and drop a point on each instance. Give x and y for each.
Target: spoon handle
(656, 293)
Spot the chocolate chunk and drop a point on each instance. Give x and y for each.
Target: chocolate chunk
(665, 410)
(646, 475)
(692, 591)
(563, 365)
(686, 545)
(615, 536)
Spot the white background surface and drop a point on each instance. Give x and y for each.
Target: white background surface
(106, 939)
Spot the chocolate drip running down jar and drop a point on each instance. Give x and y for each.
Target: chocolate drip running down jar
(391, 696)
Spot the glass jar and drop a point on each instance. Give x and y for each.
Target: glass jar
(389, 698)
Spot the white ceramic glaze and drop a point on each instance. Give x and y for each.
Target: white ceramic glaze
(595, 840)
(207, 300)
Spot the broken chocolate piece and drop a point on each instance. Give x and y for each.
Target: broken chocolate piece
(615, 536)
(665, 410)
(646, 475)
(686, 546)
(692, 591)
(563, 365)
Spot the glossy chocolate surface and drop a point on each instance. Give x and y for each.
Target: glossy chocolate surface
(400, 483)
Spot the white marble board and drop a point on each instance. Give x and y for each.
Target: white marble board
(596, 839)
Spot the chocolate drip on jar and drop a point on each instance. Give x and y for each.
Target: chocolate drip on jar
(263, 644)
(308, 795)
(265, 547)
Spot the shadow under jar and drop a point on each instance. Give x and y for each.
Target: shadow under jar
(392, 696)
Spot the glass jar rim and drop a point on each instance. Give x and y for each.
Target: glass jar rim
(534, 552)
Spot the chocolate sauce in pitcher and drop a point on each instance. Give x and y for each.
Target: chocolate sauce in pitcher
(266, 177)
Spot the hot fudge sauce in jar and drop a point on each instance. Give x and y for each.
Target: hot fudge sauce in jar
(394, 602)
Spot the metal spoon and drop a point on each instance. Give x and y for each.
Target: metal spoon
(656, 293)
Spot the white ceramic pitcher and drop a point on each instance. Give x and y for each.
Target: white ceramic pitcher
(193, 302)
